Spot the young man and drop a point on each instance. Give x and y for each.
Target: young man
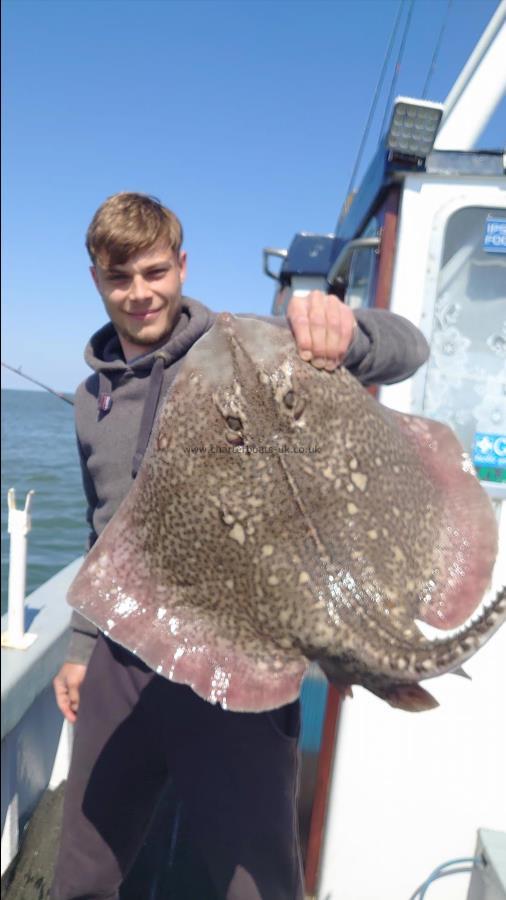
(235, 773)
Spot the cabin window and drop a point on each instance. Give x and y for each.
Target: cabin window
(466, 379)
(360, 288)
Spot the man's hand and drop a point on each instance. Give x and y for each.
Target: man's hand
(67, 685)
(323, 328)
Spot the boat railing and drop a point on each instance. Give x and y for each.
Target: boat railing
(36, 742)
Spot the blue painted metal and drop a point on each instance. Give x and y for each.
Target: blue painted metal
(313, 702)
(310, 255)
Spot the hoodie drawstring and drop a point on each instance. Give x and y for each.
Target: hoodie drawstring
(149, 411)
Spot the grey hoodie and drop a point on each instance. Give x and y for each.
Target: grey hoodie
(115, 407)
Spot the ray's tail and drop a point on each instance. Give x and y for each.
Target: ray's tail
(437, 656)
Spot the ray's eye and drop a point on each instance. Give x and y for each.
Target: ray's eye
(295, 403)
(234, 423)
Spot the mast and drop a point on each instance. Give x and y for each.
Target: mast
(478, 89)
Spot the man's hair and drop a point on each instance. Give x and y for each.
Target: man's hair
(129, 223)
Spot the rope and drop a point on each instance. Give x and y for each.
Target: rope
(397, 67)
(452, 867)
(379, 85)
(436, 52)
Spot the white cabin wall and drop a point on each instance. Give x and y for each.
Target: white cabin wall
(410, 790)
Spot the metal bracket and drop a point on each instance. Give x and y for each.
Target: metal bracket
(341, 265)
(272, 251)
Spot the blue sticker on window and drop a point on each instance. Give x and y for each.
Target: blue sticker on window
(489, 450)
(494, 240)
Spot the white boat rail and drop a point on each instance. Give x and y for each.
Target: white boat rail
(36, 742)
(19, 525)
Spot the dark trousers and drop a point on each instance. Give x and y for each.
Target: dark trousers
(234, 773)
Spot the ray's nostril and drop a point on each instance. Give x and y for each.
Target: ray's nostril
(299, 408)
(235, 439)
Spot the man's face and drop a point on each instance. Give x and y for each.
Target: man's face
(142, 296)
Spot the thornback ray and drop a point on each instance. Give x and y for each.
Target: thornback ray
(281, 515)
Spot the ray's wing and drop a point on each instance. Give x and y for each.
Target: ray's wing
(172, 575)
(397, 513)
(467, 539)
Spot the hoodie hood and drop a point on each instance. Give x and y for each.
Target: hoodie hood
(103, 352)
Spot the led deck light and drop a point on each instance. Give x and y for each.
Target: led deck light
(414, 126)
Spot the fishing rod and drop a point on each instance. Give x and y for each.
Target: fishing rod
(40, 384)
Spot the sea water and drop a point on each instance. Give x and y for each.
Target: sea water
(39, 453)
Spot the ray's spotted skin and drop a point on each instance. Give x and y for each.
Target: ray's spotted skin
(281, 515)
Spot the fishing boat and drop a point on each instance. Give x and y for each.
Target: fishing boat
(386, 798)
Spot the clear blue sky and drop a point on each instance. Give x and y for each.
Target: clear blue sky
(243, 116)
